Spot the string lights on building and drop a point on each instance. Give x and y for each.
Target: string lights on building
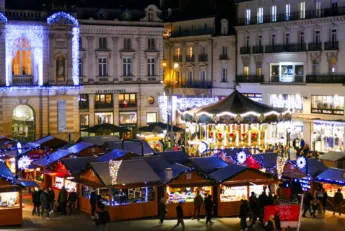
(32, 88)
(114, 167)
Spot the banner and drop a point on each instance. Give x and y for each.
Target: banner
(287, 213)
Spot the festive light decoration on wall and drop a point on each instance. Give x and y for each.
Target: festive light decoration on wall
(114, 167)
(24, 162)
(3, 18)
(241, 157)
(34, 35)
(189, 103)
(202, 147)
(281, 161)
(62, 17)
(305, 183)
(32, 88)
(163, 108)
(301, 162)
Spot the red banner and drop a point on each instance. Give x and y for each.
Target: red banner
(286, 212)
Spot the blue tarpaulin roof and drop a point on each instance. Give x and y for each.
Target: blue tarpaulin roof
(140, 147)
(4, 171)
(112, 155)
(208, 164)
(25, 148)
(76, 165)
(315, 167)
(333, 176)
(7, 174)
(174, 156)
(227, 172)
(269, 160)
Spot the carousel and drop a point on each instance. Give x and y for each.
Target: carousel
(236, 122)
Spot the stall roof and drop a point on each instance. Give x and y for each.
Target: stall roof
(140, 147)
(158, 164)
(76, 165)
(315, 167)
(4, 171)
(177, 169)
(174, 156)
(8, 175)
(51, 142)
(208, 165)
(227, 172)
(98, 140)
(113, 155)
(269, 160)
(233, 152)
(332, 156)
(26, 148)
(130, 172)
(332, 176)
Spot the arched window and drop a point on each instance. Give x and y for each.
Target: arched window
(22, 61)
(150, 15)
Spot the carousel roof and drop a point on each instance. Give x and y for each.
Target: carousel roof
(237, 108)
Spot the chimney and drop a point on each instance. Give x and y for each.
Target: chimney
(168, 174)
(2, 6)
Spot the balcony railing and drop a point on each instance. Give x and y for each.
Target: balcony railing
(22, 80)
(257, 49)
(245, 50)
(331, 45)
(287, 79)
(189, 58)
(286, 48)
(201, 84)
(177, 58)
(249, 78)
(223, 57)
(299, 15)
(203, 58)
(190, 32)
(315, 47)
(103, 105)
(325, 78)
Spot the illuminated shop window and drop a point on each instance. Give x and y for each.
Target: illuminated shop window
(22, 62)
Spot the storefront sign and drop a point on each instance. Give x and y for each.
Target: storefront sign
(61, 109)
(115, 91)
(287, 213)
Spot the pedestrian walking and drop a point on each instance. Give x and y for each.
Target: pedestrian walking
(51, 194)
(179, 212)
(244, 212)
(36, 201)
(72, 200)
(162, 210)
(198, 201)
(338, 199)
(208, 204)
(103, 219)
(306, 203)
(277, 221)
(324, 200)
(45, 203)
(314, 206)
(62, 200)
(256, 210)
(270, 224)
(93, 202)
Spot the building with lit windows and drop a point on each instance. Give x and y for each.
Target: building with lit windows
(291, 54)
(63, 72)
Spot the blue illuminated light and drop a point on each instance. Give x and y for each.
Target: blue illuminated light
(30, 88)
(3, 18)
(62, 15)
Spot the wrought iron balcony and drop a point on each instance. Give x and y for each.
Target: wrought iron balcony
(201, 84)
(249, 78)
(203, 58)
(177, 58)
(245, 50)
(290, 79)
(103, 105)
(315, 47)
(325, 79)
(223, 57)
(331, 45)
(22, 80)
(189, 58)
(257, 49)
(286, 48)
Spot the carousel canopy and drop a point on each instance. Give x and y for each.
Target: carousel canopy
(236, 108)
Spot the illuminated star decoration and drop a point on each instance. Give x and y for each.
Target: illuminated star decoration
(114, 167)
(241, 157)
(24, 162)
(301, 162)
(202, 147)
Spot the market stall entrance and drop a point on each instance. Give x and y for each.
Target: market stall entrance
(23, 123)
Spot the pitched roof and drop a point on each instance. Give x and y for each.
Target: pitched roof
(51, 142)
(5, 171)
(177, 169)
(269, 160)
(208, 164)
(174, 156)
(98, 140)
(332, 156)
(76, 165)
(315, 167)
(112, 155)
(140, 147)
(227, 172)
(130, 172)
(158, 164)
(25, 148)
(332, 175)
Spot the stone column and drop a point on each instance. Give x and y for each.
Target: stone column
(52, 77)
(116, 109)
(69, 59)
(90, 60)
(116, 71)
(138, 67)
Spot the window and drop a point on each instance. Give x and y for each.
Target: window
(103, 101)
(80, 66)
(287, 38)
(151, 44)
(84, 121)
(245, 70)
(190, 52)
(84, 101)
(224, 75)
(334, 36)
(178, 52)
(334, 5)
(260, 40)
(102, 43)
(104, 118)
(150, 16)
(127, 43)
(327, 104)
(205, 27)
(127, 67)
(189, 77)
(317, 36)
(80, 43)
(332, 65)
(127, 100)
(224, 51)
(22, 61)
(318, 8)
(316, 68)
(247, 16)
(128, 118)
(274, 13)
(273, 39)
(203, 76)
(292, 102)
(247, 41)
(102, 67)
(258, 70)
(287, 72)
(257, 97)
(151, 117)
(301, 37)
(151, 67)
(302, 10)
(287, 12)
(224, 24)
(260, 15)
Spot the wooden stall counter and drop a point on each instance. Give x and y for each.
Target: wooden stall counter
(11, 216)
(10, 204)
(229, 209)
(133, 211)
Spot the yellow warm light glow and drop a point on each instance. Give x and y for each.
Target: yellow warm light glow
(176, 65)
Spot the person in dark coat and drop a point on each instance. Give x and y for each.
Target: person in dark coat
(270, 200)
(306, 203)
(208, 204)
(179, 212)
(72, 199)
(277, 221)
(63, 200)
(45, 203)
(36, 201)
(162, 210)
(244, 211)
(324, 201)
(51, 194)
(93, 202)
(270, 224)
(256, 209)
(338, 199)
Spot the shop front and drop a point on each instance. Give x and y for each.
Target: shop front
(328, 136)
(129, 120)
(237, 183)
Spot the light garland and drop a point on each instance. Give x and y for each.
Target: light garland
(241, 157)
(189, 103)
(163, 108)
(32, 88)
(281, 161)
(301, 162)
(114, 167)
(24, 162)
(34, 35)
(62, 15)
(3, 18)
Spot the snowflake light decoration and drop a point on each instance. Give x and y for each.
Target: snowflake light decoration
(301, 162)
(24, 162)
(241, 157)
